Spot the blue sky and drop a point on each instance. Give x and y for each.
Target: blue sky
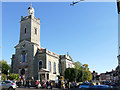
(88, 31)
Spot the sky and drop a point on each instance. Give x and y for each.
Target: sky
(88, 31)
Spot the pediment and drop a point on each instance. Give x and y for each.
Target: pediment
(69, 57)
(22, 43)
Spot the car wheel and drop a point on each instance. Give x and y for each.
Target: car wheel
(10, 88)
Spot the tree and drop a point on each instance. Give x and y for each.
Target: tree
(5, 67)
(74, 74)
(83, 73)
(70, 74)
(87, 74)
(85, 66)
(78, 65)
(79, 75)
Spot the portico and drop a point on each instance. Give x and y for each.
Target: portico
(43, 74)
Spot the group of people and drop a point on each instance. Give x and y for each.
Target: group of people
(48, 84)
(30, 83)
(67, 84)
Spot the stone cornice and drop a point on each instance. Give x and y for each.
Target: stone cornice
(45, 51)
(31, 18)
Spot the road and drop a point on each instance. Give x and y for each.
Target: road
(46, 89)
(35, 89)
(65, 89)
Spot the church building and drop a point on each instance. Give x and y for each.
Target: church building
(30, 60)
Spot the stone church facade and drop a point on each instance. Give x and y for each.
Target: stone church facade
(32, 61)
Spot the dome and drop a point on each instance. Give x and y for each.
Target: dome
(31, 10)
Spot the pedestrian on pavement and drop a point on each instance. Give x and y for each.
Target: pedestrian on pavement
(47, 83)
(51, 84)
(37, 83)
(29, 83)
(75, 84)
(59, 83)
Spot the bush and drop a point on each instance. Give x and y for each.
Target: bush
(13, 76)
(4, 77)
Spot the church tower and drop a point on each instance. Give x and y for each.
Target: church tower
(30, 27)
(22, 61)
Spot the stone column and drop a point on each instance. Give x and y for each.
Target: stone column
(45, 77)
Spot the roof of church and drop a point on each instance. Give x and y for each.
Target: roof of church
(44, 50)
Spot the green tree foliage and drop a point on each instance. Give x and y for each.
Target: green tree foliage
(5, 67)
(4, 77)
(70, 74)
(79, 73)
(13, 76)
(78, 65)
(85, 66)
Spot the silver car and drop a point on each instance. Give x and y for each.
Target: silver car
(9, 85)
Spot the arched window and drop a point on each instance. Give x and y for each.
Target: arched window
(49, 65)
(68, 65)
(24, 56)
(54, 68)
(40, 64)
(36, 31)
(25, 30)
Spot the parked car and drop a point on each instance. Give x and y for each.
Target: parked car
(113, 84)
(86, 85)
(9, 85)
(101, 86)
(107, 83)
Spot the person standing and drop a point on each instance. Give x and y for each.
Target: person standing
(75, 84)
(51, 84)
(29, 83)
(37, 83)
(47, 83)
(59, 83)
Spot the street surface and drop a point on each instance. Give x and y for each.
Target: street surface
(65, 89)
(35, 89)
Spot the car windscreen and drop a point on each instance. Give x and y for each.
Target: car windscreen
(7, 81)
(85, 84)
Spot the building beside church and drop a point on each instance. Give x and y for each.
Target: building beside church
(32, 61)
